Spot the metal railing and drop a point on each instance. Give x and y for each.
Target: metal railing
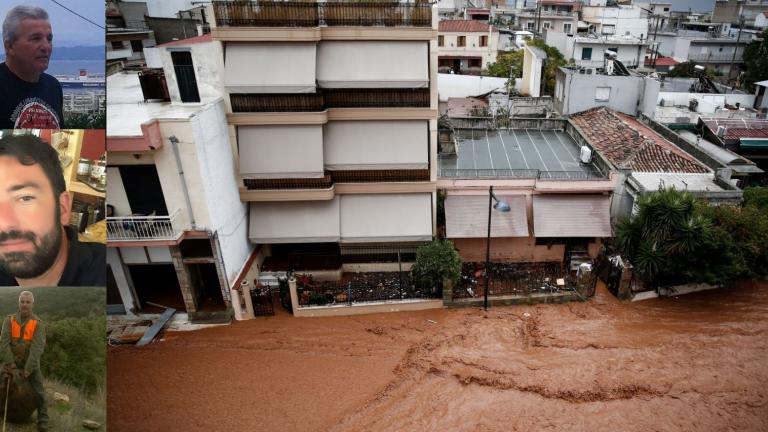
(545, 13)
(338, 98)
(311, 14)
(715, 58)
(138, 228)
(519, 173)
(521, 279)
(361, 288)
(346, 176)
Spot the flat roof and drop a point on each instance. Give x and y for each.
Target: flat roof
(522, 150)
(651, 181)
(126, 109)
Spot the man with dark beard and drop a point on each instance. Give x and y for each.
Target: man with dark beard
(37, 247)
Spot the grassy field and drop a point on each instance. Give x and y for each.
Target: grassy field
(56, 303)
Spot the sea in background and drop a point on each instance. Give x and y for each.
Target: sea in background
(72, 67)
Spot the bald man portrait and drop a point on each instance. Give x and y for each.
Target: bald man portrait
(29, 98)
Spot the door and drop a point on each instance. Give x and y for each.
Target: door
(142, 187)
(185, 76)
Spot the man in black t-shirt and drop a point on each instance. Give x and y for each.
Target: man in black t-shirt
(29, 98)
(37, 248)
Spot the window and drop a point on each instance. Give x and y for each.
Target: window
(609, 29)
(462, 41)
(566, 27)
(440, 40)
(720, 49)
(602, 94)
(546, 24)
(586, 53)
(529, 25)
(117, 45)
(474, 62)
(483, 41)
(666, 9)
(614, 49)
(137, 46)
(185, 76)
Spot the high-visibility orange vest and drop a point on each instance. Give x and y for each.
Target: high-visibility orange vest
(21, 338)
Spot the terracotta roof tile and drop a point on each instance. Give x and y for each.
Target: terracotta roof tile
(627, 143)
(465, 26)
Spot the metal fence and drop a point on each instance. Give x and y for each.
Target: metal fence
(325, 99)
(521, 279)
(312, 14)
(135, 228)
(520, 173)
(361, 288)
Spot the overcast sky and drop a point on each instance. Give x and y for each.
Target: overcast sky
(68, 29)
(695, 5)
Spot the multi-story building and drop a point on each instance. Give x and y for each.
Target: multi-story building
(731, 11)
(589, 51)
(618, 20)
(333, 123)
(557, 15)
(466, 46)
(722, 54)
(176, 228)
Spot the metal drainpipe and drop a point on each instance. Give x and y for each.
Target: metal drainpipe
(175, 143)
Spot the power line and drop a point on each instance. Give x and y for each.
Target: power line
(70, 10)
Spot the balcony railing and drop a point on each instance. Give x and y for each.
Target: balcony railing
(338, 98)
(142, 228)
(311, 14)
(545, 14)
(520, 174)
(331, 177)
(715, 58)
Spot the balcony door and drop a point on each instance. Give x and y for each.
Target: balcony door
(185, 76)
(142, 187)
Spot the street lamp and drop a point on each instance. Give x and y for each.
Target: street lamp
(503, 207)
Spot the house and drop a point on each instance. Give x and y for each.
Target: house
(746, 137)
(555, 15)
(126, 45)
(177, 230)
(730, 11)
(647, 161)
(761, 20)
(334, 133)
(660, 63)
(466, 46)
(578, 90)
(589, 51)
(617, 20)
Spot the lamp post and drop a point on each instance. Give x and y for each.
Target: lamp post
(504, 208)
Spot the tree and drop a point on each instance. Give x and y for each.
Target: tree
(686, 70)
(756, 60)
(507, 65)
(756, 197)
(554, 61)
(436, 261)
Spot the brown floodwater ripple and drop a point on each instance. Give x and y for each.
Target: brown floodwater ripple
(694, 363)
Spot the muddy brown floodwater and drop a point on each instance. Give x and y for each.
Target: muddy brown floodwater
(694, 363)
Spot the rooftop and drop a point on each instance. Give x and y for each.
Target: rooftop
(462, 107)
(516, 153)
(680, 181)
(465, 26)
(627, 143)
(613, 40)
(739, 128)
(662, 61)
(126, 109)
(189, 41)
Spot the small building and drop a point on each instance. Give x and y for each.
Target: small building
(578, 90)
(747, 137)
(466, 46)
(617, 20)
(761, 101)
(589, 51)
(660, 63)
(761, 20)
(554, 15)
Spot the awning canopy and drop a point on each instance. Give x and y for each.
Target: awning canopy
(466, 216)
(753, 143)
(270, 67)
(295, 222)
(386, 218)
(373, 64)
(294, 151)
(572, 215)
(376, 145)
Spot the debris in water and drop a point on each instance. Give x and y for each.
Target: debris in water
(430, 321)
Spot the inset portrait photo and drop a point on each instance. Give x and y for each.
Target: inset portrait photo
(52, 359)
(52, 65)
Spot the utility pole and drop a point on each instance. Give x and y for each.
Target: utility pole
(736, 48)
(655, 47)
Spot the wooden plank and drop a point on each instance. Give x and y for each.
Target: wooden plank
(156, 327)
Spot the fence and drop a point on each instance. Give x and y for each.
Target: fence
(521, 279)
(520, 173)
(502, 122)
(346, 176)
(322, 100)
(135, 228)
(311, 14)
(361, 288)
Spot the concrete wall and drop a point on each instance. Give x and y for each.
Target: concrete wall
(170, 29)
(228, 215)
(579, 91)
(707, 101)
(116, 195)
(168, 8)
(672, 45)
(650, 96)
(508, 249)
(630, 55)
(208, 61)
(628, 20)
(531, 80)
(133, 12)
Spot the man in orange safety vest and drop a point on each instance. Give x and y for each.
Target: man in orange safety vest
(22, 342)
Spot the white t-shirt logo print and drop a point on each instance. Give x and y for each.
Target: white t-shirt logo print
(35, 113)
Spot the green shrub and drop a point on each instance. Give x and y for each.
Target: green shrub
(435, 262)
(75, 352)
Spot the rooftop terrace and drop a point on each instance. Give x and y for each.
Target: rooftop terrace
(516, 153)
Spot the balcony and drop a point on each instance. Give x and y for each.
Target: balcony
(546, 14)
(142, 228)
(300, 14)
(338, 98)
(344, 176)
(715, 58)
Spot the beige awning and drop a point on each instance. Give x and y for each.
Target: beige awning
(294, 151)
(466, 216)
(389, 144)
(386, 218)
(373, 64)
(295, 222)
(572, 215)
(270, 67)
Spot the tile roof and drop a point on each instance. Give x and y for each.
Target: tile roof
(739, 128)
(662, 61)
(464, 26)
(189, 41)
(627, 143)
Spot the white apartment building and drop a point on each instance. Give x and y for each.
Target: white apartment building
(556, 15)
(177, 231)
(589, 51)
(466, 46)
(333, 124)
(618, 20)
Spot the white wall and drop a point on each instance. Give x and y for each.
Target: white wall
(116, 195)
(707, 101)
(167, 8)
(460, 86)
(208, 61)
(625, 19)
(472, 46)
(228, 215)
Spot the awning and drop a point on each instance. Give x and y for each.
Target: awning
(373, 64)
(466, 216)
(376, 145)
(295, 222)
(386, 218)
(572, 215)
(270, 67)
(294, 151)
(753, 143)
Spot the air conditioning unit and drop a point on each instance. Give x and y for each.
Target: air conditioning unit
(586, 155)
(721, 131)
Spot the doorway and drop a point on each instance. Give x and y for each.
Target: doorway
(185, 76)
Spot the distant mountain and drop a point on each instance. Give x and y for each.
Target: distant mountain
(74, 53)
